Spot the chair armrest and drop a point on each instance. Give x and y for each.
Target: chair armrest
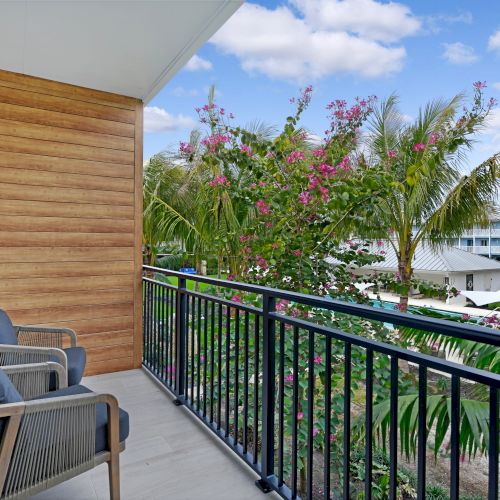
(44, 336)
(33, 379)
(22, 355)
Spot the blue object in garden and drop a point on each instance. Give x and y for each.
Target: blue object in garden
(187, 270)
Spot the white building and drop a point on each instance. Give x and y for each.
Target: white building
(447, 265)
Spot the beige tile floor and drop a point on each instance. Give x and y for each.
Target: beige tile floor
(169, 454)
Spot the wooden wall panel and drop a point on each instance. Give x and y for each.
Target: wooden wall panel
(71, 214)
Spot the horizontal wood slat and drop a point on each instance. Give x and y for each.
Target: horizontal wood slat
(52, 239)
(64, 254)
(70, 214)
(16, 144)
(75, 269)
(67, 165)
(49, 102)
(64, 120)
(63, 195)
(56, 315)
(40, 178)
(22, 301)
(64, 135)
(55, 209)
(63, 284)
(64, 224)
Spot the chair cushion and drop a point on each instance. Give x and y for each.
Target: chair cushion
(101, 440)
(76, 366)
(8, 394)
(7, 332)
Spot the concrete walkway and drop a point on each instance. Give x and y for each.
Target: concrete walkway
(169, 454)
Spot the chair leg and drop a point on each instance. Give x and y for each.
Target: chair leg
(114, 476)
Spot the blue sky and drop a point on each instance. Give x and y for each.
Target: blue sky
(345, 48)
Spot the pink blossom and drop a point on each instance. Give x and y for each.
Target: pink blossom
(315, 431)
(297, 253)
(345, 164)
(289, 378)
(324, 193)
(275, 245)
(295, 313)
(432, 139)
(212, 141)
(318, 152)
(222, 111)
(186, 147)
(465, 317)
(244, 148)
(326, 170)
(418, 147)
(236, 298)
(332, 438)
(262, 184)
(262, 262)
(382, 252)
(247, 249)
(479, 85)
(220, 180)
(244, 238)
(304, 198)
(269, 224)
(391, 153)
(318, 360)
(281, 305)
(380, 243)
(262, 207)
(295, 156)
(300, 415)
(253, 185)
(313, 182)
(231, 277)
(202, 358)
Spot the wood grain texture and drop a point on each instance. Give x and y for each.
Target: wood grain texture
(71, 214)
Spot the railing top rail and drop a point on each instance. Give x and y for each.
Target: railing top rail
(443, 327)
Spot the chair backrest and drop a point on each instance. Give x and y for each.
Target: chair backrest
(7, 331)
(8, 394)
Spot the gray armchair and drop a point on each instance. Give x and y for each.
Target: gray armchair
(21, 345)
(56, 436)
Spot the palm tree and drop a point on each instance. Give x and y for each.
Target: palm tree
(430, 199)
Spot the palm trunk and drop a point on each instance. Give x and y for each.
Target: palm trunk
(404, 277)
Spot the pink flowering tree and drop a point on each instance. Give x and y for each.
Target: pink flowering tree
(431, 199)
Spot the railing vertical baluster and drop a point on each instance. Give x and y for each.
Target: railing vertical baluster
(310, 414)
(212, 361)
(493, 446)
(455, 439)
(369, 425)
(393, 438)
(281, 414)
(193, 334)
(328, 410)
(295, 408)
(186, 351)
(180, 336)
(268, 388)
(347, 420)
(150, 321)
(198, 360)
(205, 360)
(236, 373)
(245, 384)
(163, 336)
(154, 332)
(256, 392)
(173, 344)
(219, 367)
(227, 385)
(422, 431)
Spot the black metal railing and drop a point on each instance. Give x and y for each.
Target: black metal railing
(267, 383)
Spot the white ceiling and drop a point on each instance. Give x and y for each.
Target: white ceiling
(128, 47)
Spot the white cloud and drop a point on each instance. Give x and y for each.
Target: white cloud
(494, 41)
(385, 22)
(491, 143)
(435, 23)
(496, 85)
(459, 53)
(327, 37)
(183, 92)
(159, 120)
(197, 63)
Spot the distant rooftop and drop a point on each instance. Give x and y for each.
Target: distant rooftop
(444, 259)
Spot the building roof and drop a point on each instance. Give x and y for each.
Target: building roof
(132, 48)
(444, 259)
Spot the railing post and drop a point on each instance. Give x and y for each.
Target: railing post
(180, 337)
(268, 392)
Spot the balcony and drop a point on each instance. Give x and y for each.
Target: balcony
(483, 233)
(222, 403)
(483, 250)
